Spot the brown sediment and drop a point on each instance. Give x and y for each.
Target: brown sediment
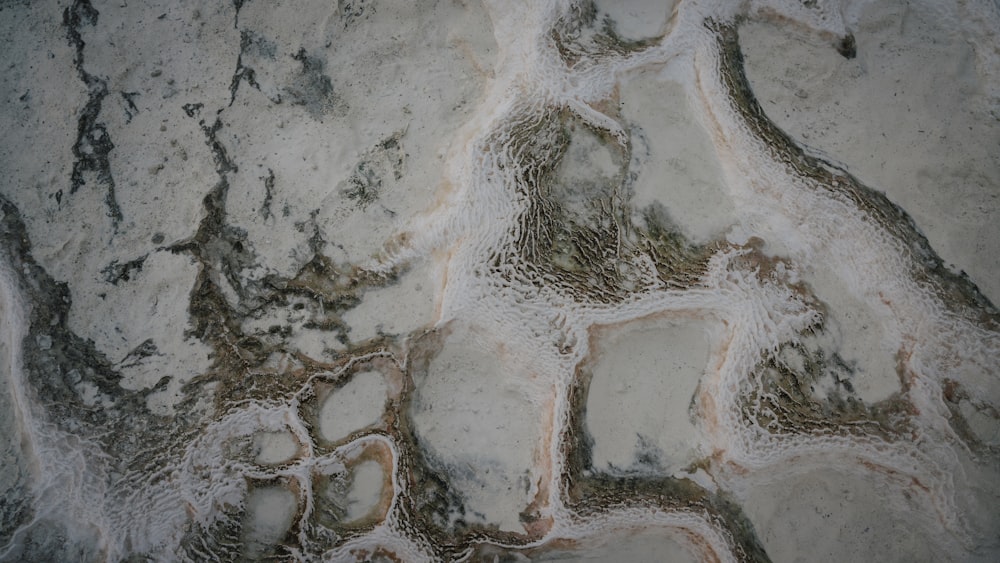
(535, 525)
(708, 553)
(440, 202)
(766, 267)
(376, 554)
(907, 480)
(610, 106)
(240, 363)
(592, 256)
(604, 42)
(782, 402)
(719, 458)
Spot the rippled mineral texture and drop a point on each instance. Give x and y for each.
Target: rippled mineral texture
(513, 280)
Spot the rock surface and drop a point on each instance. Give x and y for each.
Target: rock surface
(461, 280)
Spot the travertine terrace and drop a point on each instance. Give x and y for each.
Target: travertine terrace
(450, 280)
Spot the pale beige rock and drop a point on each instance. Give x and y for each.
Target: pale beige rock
(367, 479)
(827, 515)
(357, 404)
(640, 547)
(672, 158)
(274, 447)
(477, 424)
(397, 309)
(644, 377)
(270, 511)
(908, 116)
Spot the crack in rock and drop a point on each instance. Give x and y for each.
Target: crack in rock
(93, 143)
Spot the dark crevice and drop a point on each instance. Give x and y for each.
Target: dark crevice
(580, 238)
(193, 110)
(243, 72)
(353, 11)
(783, 400)
(117, 272)
(144, 350)
(224, 295)
(93, 143)
(59, 358)
(265, 208)
(955, 395)
(312, 88)
(847, 47)
(237, 5)
(581, 38)
(387, 159)
(130, 107)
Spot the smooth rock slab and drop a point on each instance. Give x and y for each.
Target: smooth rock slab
(643, 377)
(478, 427)
(357, 404)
